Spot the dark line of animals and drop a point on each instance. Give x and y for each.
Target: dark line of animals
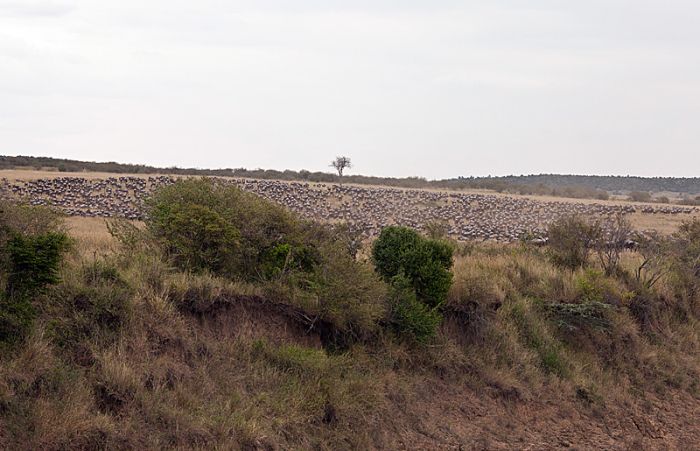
(466, 216)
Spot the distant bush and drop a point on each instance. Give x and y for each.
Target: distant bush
(425, 262)
(639, 196)
(570, 239)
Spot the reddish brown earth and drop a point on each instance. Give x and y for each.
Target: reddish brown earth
(461, 419)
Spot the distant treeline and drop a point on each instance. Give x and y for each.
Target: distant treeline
(577, 186)
(63, 165)
(610, 183)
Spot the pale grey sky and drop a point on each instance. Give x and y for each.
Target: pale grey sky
(436, 88)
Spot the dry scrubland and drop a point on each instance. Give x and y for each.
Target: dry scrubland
(130, 350)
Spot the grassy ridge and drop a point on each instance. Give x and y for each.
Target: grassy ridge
(133, 349)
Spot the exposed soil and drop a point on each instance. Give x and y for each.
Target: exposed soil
(443, 416)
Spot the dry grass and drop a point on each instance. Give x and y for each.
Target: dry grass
(662, 223)
(501, 374)
(91, 235)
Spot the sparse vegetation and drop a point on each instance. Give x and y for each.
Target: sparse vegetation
(639, 196)
(340, 164)
(285, 337)
(570, 241)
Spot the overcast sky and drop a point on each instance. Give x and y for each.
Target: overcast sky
(436, 88)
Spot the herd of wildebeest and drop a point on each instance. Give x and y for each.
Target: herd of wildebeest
(465, 216)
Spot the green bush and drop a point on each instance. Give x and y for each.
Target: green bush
(34, 262)
(199, 238)
(31, 249)
(570, 239)
(16, 317)
(208, 224)
(425, 262)
(204, 224)
(336, 289)
(410, 317)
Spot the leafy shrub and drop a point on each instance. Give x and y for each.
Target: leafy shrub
(337, 289)
(570, 239)
(425, 262)
(31, 249)
(410, 317)
(16, 318)
(34, 262)
(208, 224)
(199, 238)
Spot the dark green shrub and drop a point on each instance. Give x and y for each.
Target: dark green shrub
(16, 318)
(425, 262)
(210, 225)
(410, 317)
(31, 248)
(287, 257)
(34, 261)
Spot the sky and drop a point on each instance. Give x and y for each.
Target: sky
(436, 88)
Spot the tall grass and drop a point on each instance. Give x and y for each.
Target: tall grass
(129, 351)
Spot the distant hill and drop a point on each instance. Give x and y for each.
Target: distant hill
(590, 186)
(607, 182)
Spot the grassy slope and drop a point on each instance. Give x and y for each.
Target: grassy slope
(119, 360)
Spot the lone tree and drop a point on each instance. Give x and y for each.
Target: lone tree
(340, 164)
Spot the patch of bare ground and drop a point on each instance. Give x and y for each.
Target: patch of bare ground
(437, 414)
